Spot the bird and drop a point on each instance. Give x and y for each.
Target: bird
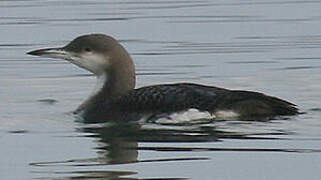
(115, 97)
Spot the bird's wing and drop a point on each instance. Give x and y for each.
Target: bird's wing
(171, 98)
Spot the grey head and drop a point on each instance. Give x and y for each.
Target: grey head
(102, 55)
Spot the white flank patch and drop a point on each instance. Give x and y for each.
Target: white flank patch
(226, 114)
(185, 116)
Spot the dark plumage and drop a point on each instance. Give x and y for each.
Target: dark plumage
(117, 100)
(155, 101)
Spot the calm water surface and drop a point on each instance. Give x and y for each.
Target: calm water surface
(268, 46)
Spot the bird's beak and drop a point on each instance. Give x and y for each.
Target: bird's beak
(92, 62)
(60, 53)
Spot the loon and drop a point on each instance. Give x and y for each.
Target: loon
(115, 97)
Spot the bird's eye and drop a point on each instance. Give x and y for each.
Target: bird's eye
(87, 49)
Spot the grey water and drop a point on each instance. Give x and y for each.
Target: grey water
(268, 46)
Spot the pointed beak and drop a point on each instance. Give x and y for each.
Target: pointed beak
(93, 62)
(60, 53)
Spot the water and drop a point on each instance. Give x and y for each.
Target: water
(266, 46)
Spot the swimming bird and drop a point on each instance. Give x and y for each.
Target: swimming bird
(115, 97)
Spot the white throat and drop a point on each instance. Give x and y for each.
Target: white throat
(93, 62)
(101, 80)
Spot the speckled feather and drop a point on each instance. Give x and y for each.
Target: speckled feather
(116, 99)
(159, 99)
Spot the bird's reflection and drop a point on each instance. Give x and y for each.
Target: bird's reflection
(117, 144)
(120, 143)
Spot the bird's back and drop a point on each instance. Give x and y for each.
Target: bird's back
(170, 98)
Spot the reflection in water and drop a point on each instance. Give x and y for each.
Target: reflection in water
(174, 40)
(118, 144)
(90, 175)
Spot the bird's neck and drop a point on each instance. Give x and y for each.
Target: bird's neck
(110, 84)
